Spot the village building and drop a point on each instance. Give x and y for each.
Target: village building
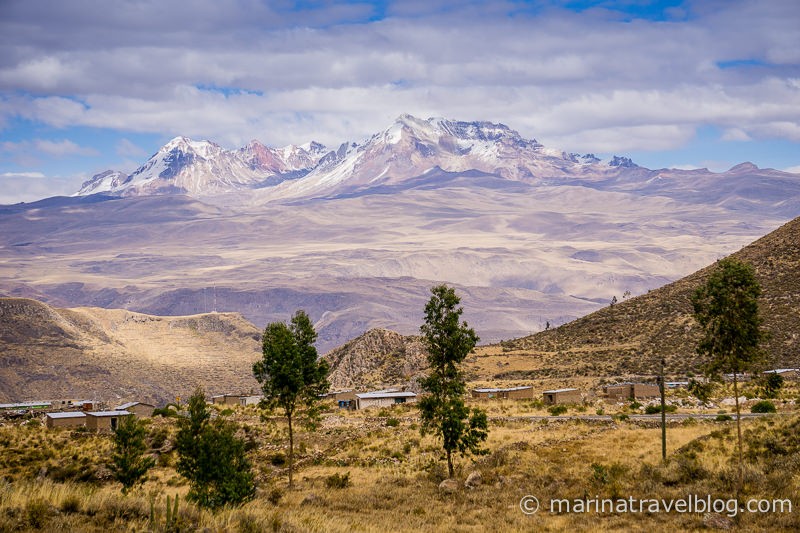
(637, 391)
(676, 384)
(785, 373)
(71, 404)
(25, 406)
(104, 420)
(345, 399)
(383, 399)
(740, 378)
(249, 400)
(512, 393)
(66, 419)
(139, 409)
(559, 396)
(228, 399)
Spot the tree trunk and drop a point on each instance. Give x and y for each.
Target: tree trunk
(291, 451)
(739, 431)
(449, 463)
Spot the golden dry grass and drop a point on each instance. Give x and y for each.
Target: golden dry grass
(394, 475)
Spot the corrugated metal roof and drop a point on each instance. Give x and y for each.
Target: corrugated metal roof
(109, 413)
(124, 406)
(558, 390)
(380, 394)
(503, 390)
(781, 370)
(69, 414)
(23, 405)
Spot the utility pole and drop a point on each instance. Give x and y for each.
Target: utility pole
(663, 415)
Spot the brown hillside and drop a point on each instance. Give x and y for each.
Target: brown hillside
(377, 358)
(632, 336)
(113, 354)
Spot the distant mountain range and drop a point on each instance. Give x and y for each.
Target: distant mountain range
(355, 236)
(415, 153)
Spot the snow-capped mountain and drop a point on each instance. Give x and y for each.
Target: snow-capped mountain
(409, 148)
(412, 147)
(200, 168)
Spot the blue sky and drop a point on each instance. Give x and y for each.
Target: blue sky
(89, 85)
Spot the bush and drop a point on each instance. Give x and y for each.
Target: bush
(336, 481)
(723, 418)
(37, 512)
(393, 422)
(653, 409)
(278, 459)
(70, 504)
(764, 406)
(635, 405)
(165, 412)
(556, 410)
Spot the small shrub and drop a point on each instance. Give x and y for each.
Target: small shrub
(393, 422)
(279, 459)
(275, 496)
(226, 412)
(600, 411)
(556, 410)
(635, 405)
(165, 412)
(337, 481)
(383, 413)
(71, 504)
(764, 406)
(621, 417)
(653, 409)
(723, 418)
(37, 512)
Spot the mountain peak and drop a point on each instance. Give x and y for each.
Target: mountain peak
(744, 167)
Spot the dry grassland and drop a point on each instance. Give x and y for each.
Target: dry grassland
(55, 480)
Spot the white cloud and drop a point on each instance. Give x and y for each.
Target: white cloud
(61, 148)
(794, 170)
(18, 187)
(34, 175)
(585, 78)
(125, 147)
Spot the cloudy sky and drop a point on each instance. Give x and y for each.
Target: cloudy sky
(88, 85)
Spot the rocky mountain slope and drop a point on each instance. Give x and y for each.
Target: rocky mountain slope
(632, 336)
(112, 354)
(378, 358)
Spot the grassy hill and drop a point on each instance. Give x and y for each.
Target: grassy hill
(113, 354)
(632, 336)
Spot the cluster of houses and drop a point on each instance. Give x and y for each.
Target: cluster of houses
(82, 413)
(97, 420)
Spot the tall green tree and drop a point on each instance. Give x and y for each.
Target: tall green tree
(727, 309)
(442, 409)
(290, 373)
(212, 458)
(128, 462)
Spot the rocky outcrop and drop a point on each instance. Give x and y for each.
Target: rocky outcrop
(379, 357)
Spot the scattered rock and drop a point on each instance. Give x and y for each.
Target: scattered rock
(502, 481)
(717, 521)
(102, 473)
(449, 486)
(473, 480)
(311, 499)
(732, 401)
